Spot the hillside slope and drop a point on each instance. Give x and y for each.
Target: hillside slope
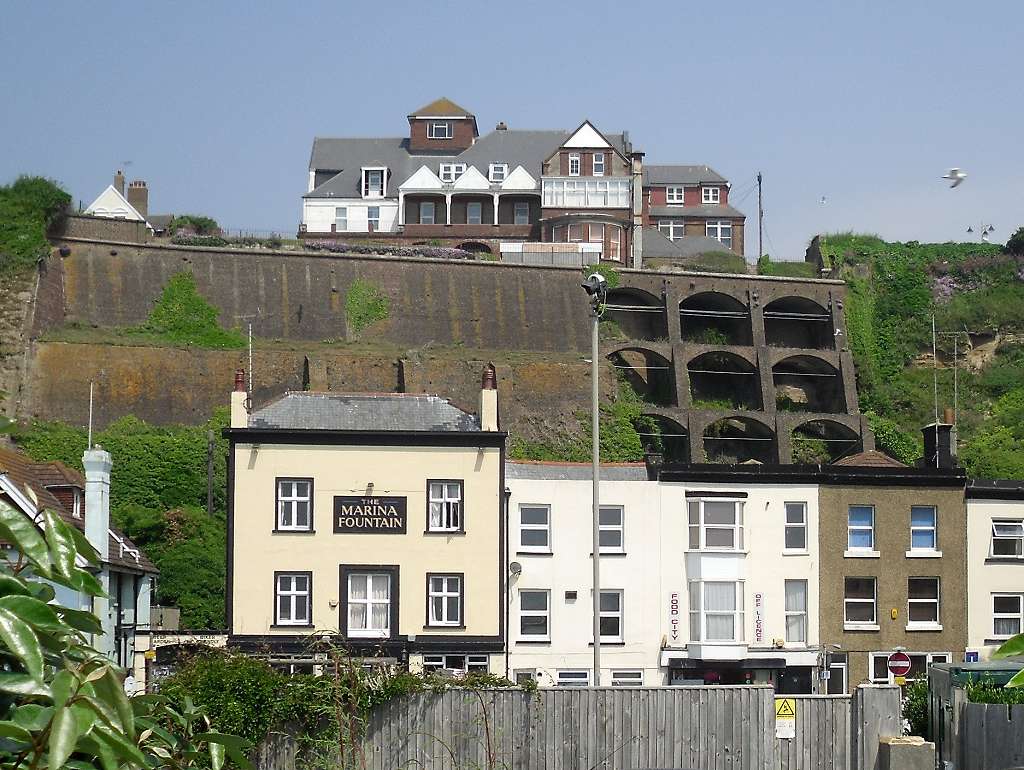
(975, 292)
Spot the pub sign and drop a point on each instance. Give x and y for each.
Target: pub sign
(372, 515)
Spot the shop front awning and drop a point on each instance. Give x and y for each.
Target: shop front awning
(679, 659)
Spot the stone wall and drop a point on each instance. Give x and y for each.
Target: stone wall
(101, 228)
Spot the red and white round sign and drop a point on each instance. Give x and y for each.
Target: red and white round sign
(899, 664)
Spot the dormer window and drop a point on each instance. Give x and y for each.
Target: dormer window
(374, 184)
(498, 172)
(710, 195)
(451, 171)
(674, 196)
(439, 129)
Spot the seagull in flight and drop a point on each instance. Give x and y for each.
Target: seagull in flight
(824, 200)
(955, 175)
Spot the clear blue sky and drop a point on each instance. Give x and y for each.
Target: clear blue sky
(216, 104)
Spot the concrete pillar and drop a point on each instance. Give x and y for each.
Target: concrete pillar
(496, 195)
(906, 752)
(874, 714)
(447, 208)
(681, 377)
(672, 299)
(695, 435)
(783, 440)
(401, 208)
(762, 360)
(838, 322)
(757, 322)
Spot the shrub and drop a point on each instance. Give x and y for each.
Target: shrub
(810, 451)
(1015, 244)
(765, 266)
(915, 707)
(196, 224)
(889, 438)
(27, 209)
(182, 315)
(434, 252)
(199, 241)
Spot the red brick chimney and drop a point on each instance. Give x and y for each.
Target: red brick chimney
(119, 181)
(138, 196)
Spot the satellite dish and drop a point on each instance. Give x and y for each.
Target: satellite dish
(515, 568)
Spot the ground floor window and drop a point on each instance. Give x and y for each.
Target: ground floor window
(919, 662)
(572, 678)
(627, 677)
(523, 676)
(457, 664)
(837, 675)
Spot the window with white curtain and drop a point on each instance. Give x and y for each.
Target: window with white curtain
(445, 506)
(369, 604)
(1007, 615)
(614, 243)
(716, 611)
(796, 610)
(373, 182)
(596, 233)
(715, 524)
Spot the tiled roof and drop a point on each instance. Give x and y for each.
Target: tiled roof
(363, 412)
(443, 107)
(662, 175)
(657, 246)
(702, 211)
(871, 458)
(28, 474)
(556, 471)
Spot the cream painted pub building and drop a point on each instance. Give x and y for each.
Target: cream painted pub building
(373, 519)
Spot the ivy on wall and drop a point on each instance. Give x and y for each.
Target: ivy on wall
(365, 305)
(183, 316)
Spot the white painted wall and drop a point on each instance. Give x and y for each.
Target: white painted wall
(318, 214)
(986, 575)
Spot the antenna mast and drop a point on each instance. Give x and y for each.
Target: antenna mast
(760, 220)
(89, 445)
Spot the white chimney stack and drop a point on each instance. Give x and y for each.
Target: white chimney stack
(489, 399)
(97, 464)
(239, 397)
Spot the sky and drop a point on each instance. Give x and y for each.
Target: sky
(215, 104)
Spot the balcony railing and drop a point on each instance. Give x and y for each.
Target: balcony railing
(467, 231)
(586, 192)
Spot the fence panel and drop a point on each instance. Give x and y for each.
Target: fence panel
(992, 736)
(822, 737)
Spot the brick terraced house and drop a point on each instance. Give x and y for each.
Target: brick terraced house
(510, 191)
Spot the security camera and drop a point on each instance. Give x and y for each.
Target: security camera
(595, 285)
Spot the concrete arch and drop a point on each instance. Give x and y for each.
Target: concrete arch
(823, 440)
(738, 439)
(806, 383)
(712, 317)
(646, 322)
(672, 441)
(724, 380)
(798, 322)
(648, 372)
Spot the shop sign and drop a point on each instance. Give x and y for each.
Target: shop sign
(374, 515)
(673, 616)
(759, 618)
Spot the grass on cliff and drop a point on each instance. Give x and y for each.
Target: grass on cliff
(28, 207)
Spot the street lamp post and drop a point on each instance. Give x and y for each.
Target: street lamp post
(597, 288)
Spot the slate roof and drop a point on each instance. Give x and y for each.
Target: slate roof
(685, 175)
(658, 246)
(704, 210)
(555, 471)
(376, 413)
(872, 458)
(443, 107)
(28, 474)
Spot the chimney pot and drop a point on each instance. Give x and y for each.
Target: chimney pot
(947, 416)
(489, 381)
(502, 126)
(239, 380)
(119, 181)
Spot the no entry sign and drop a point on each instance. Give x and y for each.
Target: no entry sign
(899, 664)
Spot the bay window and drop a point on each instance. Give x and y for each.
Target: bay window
(609, 192)
(715, 524)
(716, 611)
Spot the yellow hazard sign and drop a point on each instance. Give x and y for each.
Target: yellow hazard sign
(785, 708)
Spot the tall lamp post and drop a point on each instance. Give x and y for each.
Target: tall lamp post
(597, 288)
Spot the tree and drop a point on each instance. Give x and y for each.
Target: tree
(62, 703)
(1015, 245)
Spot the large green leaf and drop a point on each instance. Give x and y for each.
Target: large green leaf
(109, 689)
(63, 736)
(83, 546)
(15, 731)
(22, 642)
(22, 684)
(80, 620)
(216, 755)
(1017, 680)
(19, 531)
(32, 611)
(1011, 648)
(120, 745)
(233, 745)
(12, 585)
(32, 716)
(61, 543)
(62, 687)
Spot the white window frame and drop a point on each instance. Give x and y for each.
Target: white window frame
(366, 173)
(702, 527)
(851, 528)
(76, 503)
(797, 522)
(627, 677)
(593, 228)
(574, 161)
(288, 504)
(439, 129)
(431, 206)
(294, 596)
(720, 230)
(369, 602)
(521, 211)
(1018, 616)
(545, 613)
(673, 229)
(340, 220)
(620, 528)
(855, 625)
(614, 243)
(799, 614)
(446, 662)
(933, 529)
(675, 195)
(931, 625)
(572, 677)
(448, 516)
(841, 665)
(710, 195)
(497, 172)
(480, 213)
(450, 586)
(929, 659)
(570, 238)
(617, 614)
(545, 528)
(450, 172)
(1009, 530)
(373, 220)
(598, 161)
(576, 192)
(698, 613)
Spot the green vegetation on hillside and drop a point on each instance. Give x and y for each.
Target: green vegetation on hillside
(765, 266)
(194, 224)
(27, 209)
(157, 496)
(365, 304)
(182, 315)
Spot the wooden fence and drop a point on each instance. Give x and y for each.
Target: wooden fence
(981, 736)
(710, 728)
